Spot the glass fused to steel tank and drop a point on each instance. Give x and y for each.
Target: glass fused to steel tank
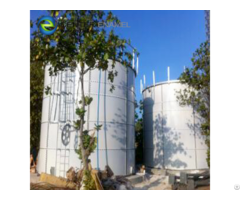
(113, 110)
(172, 137)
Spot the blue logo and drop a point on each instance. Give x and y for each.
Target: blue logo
(48, 27)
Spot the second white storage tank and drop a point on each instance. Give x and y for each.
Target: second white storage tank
(172, 137)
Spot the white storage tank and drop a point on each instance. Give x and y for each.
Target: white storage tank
(116, 139)
(172, 137)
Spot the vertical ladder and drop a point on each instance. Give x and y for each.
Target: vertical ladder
(66, 117)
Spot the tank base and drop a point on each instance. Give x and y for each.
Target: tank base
(167, 172)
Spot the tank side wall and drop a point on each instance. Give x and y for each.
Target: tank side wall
(172, 136)
(153, 133)
(130, 147)
(116, 115)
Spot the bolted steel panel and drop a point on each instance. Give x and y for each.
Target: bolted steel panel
(116, 114)
(172, 137)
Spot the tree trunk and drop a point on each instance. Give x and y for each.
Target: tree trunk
(84, 156)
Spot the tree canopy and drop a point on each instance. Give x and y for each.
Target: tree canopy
(79, 43)
(197, 94)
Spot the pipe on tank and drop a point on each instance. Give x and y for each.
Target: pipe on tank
(144, 81)
(153, 78)
(133, 61)
(168, 73)
(137, 65)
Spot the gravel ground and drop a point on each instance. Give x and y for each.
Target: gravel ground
(154, 182)
(203, 188)
(34, 178)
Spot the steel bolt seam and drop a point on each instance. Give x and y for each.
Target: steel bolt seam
(86, 81)
(95, 94)
(169, 140)
(120, 149)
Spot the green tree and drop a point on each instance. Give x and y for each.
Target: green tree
(139, 133)
(36, 95)
(197, 94)
(82, 45)
(36, 79)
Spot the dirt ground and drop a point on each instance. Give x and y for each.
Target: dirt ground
(154, 182)
(34, 178)
(159, 182)
(203, 188)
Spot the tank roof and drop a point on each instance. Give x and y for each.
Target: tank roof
(161, 83)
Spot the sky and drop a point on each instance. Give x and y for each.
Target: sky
(163, 38)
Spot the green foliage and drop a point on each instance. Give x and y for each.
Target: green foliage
(197, 94)
(36, 94)
(48, 90)
(139, 134)
(80, 39)
(98, 127)
(77, 124)
(208, 157)
(89, 144)
(106, 56)
(88, 100)
(88, 181)
(80, 112)
(31, 24)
